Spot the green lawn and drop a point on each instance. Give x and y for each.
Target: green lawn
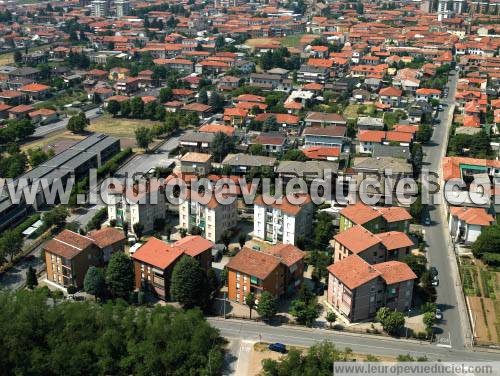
(292, 40)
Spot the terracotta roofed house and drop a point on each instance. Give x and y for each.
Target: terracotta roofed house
(277, 270)
(154, 261)
(356, 289)
(69, 255)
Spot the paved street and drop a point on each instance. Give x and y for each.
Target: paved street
(15, 278)
(375, 345)
(436, 236)
(44, 130)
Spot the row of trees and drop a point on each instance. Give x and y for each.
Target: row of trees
(49, 337)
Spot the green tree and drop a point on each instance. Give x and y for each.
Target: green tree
(256, 149)
(487, 242)
(78, 123)
(125, 108)
(216, 101)
(226, 238)
(202, 96)
(304, 313)
(323, 230)
(250, 302)
(222, 145)
(120, 275)
(56, 217)
(188, 286)
(331, 317)
(165, 95)
(113, 107)
(143, 137)
(31, 278)
(11, 243)
(137, 108)
(242, 239)
(392, 321)
(268, 306)
(294, 155)
(95, 282)
(38, 156)
(105, 339)
(138, 229)
(429, 320)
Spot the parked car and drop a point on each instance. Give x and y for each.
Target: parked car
(433, 271)
(427, 221)
(278, 347)
(439, 314)
(435, 282)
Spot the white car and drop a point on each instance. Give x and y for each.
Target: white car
(439, 314)
(435, 282)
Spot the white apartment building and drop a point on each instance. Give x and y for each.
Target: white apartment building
(283, 222)
(141, 203)
(100, 8)
(212, 218)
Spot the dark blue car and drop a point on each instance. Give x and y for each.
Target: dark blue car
(278, 347)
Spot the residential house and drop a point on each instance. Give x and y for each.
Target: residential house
(284, 220)
(242, 163)
(390, 96)
(274, 143)
(198, 163)
(210, 216)
(426, 94)
(277, 270)
(155, 260)
(197, 141)
(357, 290)
(69, 255)
(373, 248)
(142, 203)
(323, 119)
(35, 92)
(466, 224)
(326, 137)
(387, 218)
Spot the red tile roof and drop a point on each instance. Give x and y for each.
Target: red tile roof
(34, 87)
(357, 239)
(395, 240)
(321, 152)
(353, 271)
(472, 216)
(215, 128)
(68, 244)
(390, 92)
(360, 213)
(287, 253)
(395, 272)
(157, 253)
(107, 236)
(254, 263)
(193, 245)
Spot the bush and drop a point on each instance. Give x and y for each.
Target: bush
(71, 289)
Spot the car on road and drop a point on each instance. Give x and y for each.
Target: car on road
(435, 282)
(427, 221)
(278, 347)
(439, 314)
(99, 111)
(434, 272)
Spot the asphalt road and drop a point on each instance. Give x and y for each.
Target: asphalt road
(236, 330)
(451, 329)
(15, 278)
(44, 130)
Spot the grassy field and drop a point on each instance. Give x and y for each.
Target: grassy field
(118, 127)
(8, 58)
(351, 111)
(292, 40)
